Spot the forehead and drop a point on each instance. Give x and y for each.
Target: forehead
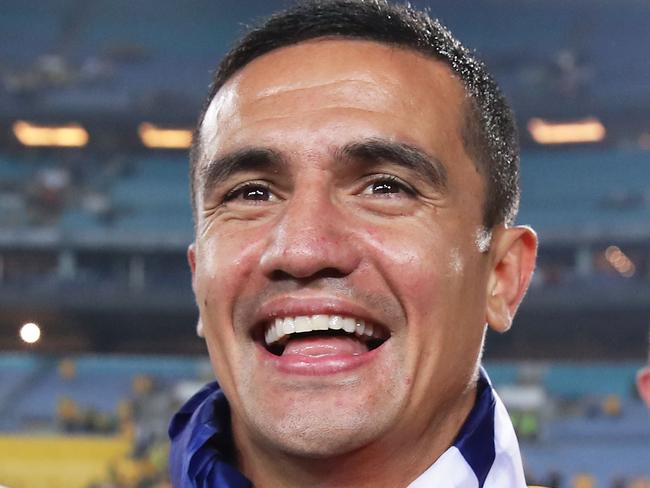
(393, 86)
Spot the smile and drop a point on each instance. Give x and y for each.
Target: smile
(322, 335)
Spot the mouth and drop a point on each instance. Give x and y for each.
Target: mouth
(321, 335)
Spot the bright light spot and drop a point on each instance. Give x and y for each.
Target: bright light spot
(580, 131)
(68, 135)
(629, 271)
(30, 333)
(612, 252)
(620, 262)
(164, 138)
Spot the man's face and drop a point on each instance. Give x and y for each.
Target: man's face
(334, 187)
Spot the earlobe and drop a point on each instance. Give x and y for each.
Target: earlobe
(643, 384)
(191, 257)
(499, 317)
(514, 251)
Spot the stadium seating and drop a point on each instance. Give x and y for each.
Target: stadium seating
(597, 191)
(32, 386)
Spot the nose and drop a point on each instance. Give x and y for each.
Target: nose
(312, 237)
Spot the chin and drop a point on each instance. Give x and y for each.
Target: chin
(320, 436)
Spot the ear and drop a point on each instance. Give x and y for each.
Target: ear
(643, 384)
(513, 252)
(191, 259)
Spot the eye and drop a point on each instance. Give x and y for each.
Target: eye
(253, 192)
(386, 184)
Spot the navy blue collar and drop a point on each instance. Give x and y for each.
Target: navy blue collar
(475, 440)
(202, 450)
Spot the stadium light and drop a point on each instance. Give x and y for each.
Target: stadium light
(620, 262)
(580, 131)
(68, 135)
(30, 333)
(156, 137)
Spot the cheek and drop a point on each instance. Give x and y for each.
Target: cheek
(427, 269)
(456, 263)
(225, 263)
(410, 262)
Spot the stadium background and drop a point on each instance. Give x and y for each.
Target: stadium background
(95, 220)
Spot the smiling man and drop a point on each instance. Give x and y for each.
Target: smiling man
(354, 178)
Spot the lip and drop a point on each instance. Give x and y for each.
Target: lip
(317, 366)
(294, 306)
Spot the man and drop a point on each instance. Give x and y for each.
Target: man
(354, 180)
(643, 382)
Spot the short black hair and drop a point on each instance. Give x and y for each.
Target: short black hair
(489, 133)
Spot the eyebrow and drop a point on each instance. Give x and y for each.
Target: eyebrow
(370, 150)
(245, 159)
(406, 155)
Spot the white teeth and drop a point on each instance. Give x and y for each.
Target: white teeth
(335, 322)
(320, 322)
(288, 326)
(281, 328)
(349, 325)
(303, 324)
(274, 331)
(360, 327)
(270, 335)
(278, 327)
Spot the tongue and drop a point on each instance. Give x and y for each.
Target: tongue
(324, 346)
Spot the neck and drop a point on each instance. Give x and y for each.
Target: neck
(395, 459)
